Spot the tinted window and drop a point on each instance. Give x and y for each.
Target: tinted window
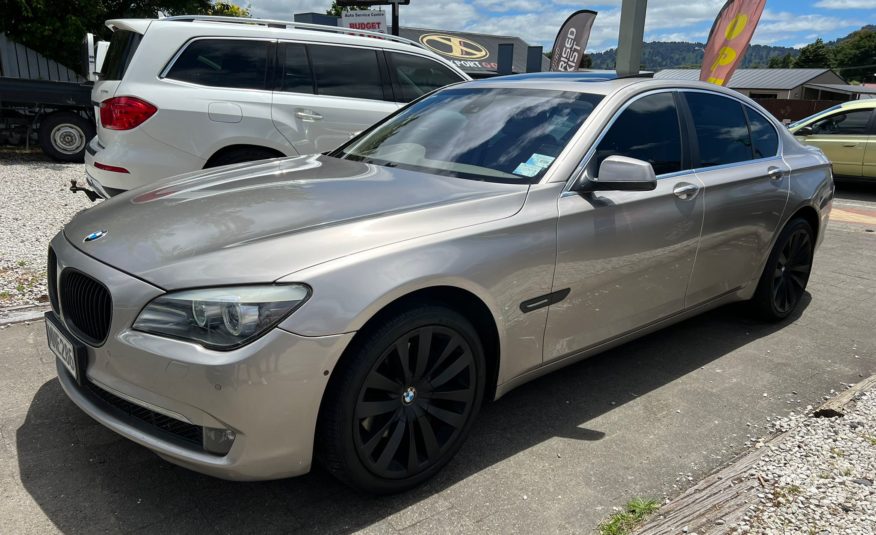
(647, 130)
(121, 49)
(853, 123)
(721, 129)
(297, 77)
(764, 138)
(346, 72)
(223, 63)
(417, 76)
(501, 135)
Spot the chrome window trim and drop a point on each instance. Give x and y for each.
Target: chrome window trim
(585, 161)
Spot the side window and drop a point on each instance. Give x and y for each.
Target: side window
(764, 138)
(297, 77)
(346, 72)
(647, 130)
(721, 129)
(853, 123)
(417, 76)
(236, 63)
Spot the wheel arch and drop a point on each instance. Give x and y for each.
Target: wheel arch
(463, 301)
(241, 146)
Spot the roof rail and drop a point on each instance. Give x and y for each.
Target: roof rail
(295, 25)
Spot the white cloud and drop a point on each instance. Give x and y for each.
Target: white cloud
(846, 4)
(537, 22)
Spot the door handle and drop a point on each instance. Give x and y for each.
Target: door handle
(775, 173)
(850, 145)
(308, 115)
(685, 191)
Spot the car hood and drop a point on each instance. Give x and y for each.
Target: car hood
(259, 222)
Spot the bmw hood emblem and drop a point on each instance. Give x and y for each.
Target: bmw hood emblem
(96, 235)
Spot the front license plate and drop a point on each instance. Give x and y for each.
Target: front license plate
(67, 351)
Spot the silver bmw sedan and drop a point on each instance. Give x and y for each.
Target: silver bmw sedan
(359, 307)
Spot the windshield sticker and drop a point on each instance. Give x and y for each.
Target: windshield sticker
(540, 160)
(527, 169)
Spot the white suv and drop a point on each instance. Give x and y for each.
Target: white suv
(186, 93)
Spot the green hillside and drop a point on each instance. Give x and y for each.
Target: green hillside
(668, 55)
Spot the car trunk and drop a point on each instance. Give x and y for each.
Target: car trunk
(123, 44)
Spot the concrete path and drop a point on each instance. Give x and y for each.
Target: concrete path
(647, 419)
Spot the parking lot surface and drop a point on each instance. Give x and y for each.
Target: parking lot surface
(644, 420)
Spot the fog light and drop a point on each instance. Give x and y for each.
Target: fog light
(218, 440)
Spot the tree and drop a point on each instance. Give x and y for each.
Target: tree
(855, 57)
(814, 55)
(335, 9)
(781, 62)
(227, 9)
(55, 28)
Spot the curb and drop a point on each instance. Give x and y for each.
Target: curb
(719, 501)
(20, 314)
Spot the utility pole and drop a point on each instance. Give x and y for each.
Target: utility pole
(630, 37)
(395, 19)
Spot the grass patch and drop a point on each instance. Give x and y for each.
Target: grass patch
(20, 288)
(837, 452)
(22, 263)
(624, 522)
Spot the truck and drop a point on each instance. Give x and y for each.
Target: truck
(43, 102)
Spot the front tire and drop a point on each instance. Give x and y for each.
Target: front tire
(786, 274)
(402, 401)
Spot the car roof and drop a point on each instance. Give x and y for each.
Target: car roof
(598, 82)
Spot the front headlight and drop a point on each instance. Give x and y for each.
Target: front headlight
(221, 318)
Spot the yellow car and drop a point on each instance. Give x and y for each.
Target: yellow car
(847, 135)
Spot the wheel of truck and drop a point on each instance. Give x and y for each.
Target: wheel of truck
(64, 135)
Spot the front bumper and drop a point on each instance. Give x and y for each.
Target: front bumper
(267, 393)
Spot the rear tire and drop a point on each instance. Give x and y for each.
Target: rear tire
(64, 135)
(402, 401)
(241, 155)
(786, 273)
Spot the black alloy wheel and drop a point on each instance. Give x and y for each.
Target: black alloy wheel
(415, 402)
(786, 274)
(402, 400)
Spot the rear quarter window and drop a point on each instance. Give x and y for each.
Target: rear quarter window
(121, 49)
(232, 63)
(764, 138)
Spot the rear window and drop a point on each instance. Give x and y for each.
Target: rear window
(121, 49)
(234, 63)
(417, 76)
(721, 129)
(764, 138)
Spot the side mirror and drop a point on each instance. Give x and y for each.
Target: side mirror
(619, 173)
(805, 131)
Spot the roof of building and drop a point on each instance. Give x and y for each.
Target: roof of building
(842, 88)
(753, 78)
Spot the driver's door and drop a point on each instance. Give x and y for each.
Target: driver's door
(627, 256)
(843, 138)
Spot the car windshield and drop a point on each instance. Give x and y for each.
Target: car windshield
(819, 114)
(499, 135)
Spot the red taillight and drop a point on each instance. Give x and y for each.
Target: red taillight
(125, 113)
(112, 168)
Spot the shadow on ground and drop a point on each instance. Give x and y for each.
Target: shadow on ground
(87, 479)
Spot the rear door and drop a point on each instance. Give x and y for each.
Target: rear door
(625, 257)
(843, 137)
(736, 154)
(327, 93)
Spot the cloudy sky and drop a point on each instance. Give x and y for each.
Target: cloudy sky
(784, 22)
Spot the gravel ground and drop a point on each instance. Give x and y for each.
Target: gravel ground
(820, 479)
(36, 205)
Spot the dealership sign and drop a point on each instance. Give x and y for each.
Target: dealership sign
(463, 51)
(370, 20)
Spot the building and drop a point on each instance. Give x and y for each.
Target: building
(476, 54)
(788, 84)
